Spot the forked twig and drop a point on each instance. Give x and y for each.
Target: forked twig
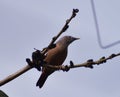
(43, 52)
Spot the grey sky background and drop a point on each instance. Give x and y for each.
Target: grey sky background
(28, 24)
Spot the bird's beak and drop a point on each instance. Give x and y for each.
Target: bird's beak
(77, 38)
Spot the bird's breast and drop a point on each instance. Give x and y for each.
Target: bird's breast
(56, 56)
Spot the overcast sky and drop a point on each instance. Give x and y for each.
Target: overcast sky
(28, 24)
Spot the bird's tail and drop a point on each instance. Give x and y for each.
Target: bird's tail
(42, 80)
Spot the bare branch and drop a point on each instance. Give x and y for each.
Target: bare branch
(88, 64)
(15, 75)
(65, 27)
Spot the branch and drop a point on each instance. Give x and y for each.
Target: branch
(15, 75)
(88, 64)
(65, 27)
(43, 52)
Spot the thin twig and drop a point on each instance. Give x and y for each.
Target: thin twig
(65, 27)
(88, 64)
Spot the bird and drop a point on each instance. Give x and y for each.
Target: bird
(55, 56)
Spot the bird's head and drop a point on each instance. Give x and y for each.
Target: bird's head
(66, 40)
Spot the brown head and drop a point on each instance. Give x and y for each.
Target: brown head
(66, 41)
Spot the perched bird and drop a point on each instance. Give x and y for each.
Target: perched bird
(55, 56)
